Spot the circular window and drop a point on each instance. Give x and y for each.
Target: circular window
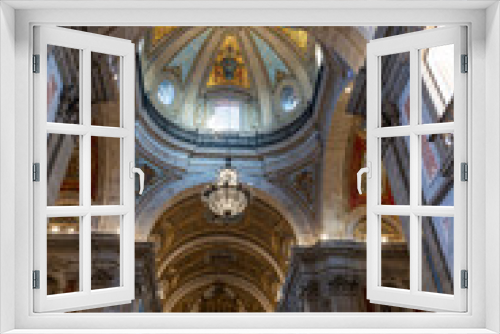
(166, 92)
(288, 98)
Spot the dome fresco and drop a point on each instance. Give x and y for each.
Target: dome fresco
(260, 77)
(187, 55)
(272, 61)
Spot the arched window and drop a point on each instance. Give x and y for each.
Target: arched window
(226, 116)
(288, 98)
(166, 92)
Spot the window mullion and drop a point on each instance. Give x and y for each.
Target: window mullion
(66, 211)
(392, 210)
(85, 254)
(433, 128)
(414, 171)
(85, 236)
(108, 131)
(109, 210)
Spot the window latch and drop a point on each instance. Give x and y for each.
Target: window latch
(368, 171)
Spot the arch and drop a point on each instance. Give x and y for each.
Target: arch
(167, 194)
(353, 220)
(186, 248)
(199, 282)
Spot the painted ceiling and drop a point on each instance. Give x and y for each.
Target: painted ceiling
(270, 58)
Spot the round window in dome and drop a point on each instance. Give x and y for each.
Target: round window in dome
(166, 92)
(288, 98)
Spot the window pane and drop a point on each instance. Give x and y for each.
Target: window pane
(395, 257)
(395, 190)
(63, 170)
(105, 89)
(437, 254)
(105, 252)
(437, 169)
(106, 182)
(63, 85)
(437, 72)
(395, 94)
(63, 255)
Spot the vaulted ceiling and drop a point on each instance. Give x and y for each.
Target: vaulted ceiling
(208, 266)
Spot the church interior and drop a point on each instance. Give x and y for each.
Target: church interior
(282, 110)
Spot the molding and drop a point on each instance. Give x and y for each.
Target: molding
(7, 167)
(491, 163)
(252, 331)
(249, 4)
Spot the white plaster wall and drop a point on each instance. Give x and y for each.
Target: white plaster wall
(492, 166)
(7, 160)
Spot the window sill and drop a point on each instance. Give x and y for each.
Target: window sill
(249, 331)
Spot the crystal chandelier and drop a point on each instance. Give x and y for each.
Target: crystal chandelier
(226, 198)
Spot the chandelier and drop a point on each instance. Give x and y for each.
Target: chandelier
(226, 198)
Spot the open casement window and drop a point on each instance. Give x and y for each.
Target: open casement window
(83, 162)
(416, 134)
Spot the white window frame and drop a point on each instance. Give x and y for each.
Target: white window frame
(484, 102)
(412, 44)
(86, 43)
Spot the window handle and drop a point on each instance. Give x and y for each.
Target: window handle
(135, 170)
(368, 171)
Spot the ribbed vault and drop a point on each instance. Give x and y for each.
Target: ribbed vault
(268, 72)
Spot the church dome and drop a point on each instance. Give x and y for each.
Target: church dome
(229, 79)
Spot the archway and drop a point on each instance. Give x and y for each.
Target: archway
(168, 194)
(194, 252)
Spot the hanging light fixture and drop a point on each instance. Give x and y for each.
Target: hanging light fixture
(226, 198)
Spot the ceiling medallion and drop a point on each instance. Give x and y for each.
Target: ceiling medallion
(226, 198)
